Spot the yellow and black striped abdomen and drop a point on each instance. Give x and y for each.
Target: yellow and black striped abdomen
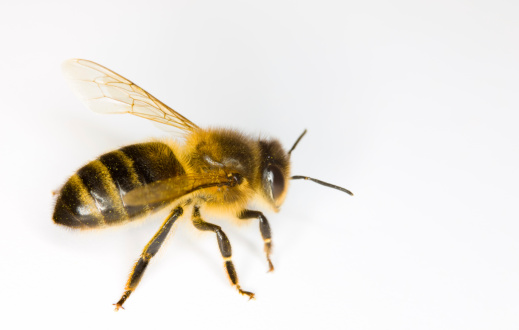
(93, 196)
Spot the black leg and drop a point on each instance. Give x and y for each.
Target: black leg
(225, 248)
(264, 229)
(149, 251)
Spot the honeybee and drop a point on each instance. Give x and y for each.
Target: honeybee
(213, 169)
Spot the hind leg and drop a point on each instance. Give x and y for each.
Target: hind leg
(149, 252)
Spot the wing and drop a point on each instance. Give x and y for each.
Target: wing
(176, 187)
(104, 91)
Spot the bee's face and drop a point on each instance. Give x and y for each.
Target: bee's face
(275, 172)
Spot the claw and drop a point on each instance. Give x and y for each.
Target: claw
(117, 306)
(271, 266)
(246, 293)
(121, 301)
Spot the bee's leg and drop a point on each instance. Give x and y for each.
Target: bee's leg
(225, 248)
(149, 251)
(264, 229)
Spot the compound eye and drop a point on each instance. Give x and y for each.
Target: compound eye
(276, 181)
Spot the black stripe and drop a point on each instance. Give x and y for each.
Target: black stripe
(94, 182)
(139, 155)
(120, 171)
(153, 161)
(70, 210)
(63, 216)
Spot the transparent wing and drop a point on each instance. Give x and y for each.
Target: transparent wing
(104, 91)
(174, 188)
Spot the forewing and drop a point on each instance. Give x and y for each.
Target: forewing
(173, 188)
(105, 91)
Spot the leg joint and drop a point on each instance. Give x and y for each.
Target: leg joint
(249, 214)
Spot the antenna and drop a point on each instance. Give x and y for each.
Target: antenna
(297, 141)
(326, 184)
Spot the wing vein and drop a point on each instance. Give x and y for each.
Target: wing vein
(115, 94)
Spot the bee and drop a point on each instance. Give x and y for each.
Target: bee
(213, 169)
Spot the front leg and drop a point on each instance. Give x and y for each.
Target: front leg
(264, 229)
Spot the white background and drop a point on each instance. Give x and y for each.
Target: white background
(411, 105)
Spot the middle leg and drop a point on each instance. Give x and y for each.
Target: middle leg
(225, 248)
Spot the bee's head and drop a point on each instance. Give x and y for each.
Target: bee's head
(275, 172)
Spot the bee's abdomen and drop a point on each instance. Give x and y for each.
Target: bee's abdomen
(93, 196)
